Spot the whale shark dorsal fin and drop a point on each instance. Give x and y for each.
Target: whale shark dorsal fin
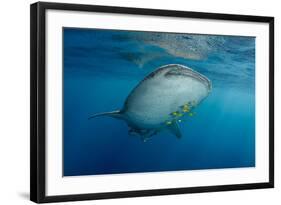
(174, 129)
(115, 114)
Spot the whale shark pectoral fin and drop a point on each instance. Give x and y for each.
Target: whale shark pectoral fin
(174, 129)
(115, 114)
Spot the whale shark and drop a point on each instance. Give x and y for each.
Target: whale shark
(161, 100)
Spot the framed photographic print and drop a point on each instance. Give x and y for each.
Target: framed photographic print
(129, 102)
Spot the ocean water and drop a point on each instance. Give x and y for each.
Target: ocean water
(100, 69)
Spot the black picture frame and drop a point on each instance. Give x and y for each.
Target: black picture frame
(38, 101)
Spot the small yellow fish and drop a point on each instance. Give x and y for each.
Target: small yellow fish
(185, 110)
(180, 115)
(190, 114)
(185, 106)
(175, 113)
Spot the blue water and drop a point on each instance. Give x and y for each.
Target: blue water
(101, 67)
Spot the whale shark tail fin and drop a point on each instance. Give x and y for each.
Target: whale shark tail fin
(115, 114)
(175, 130)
